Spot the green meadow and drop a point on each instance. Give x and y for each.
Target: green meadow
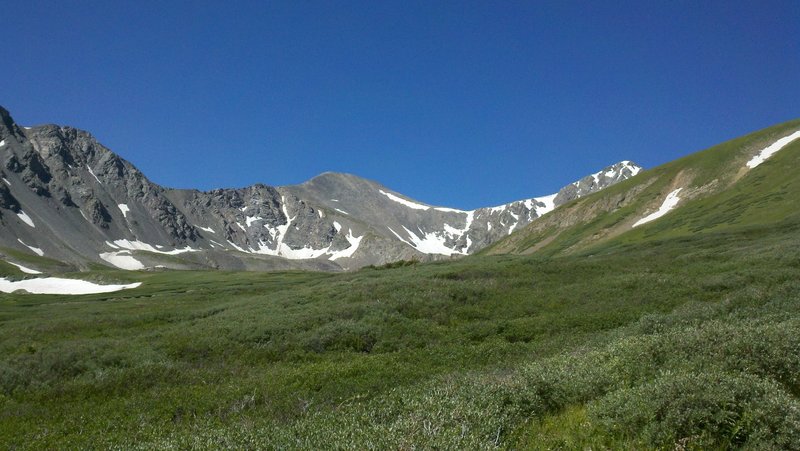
(689, 342)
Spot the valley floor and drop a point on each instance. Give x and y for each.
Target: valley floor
(689, 342)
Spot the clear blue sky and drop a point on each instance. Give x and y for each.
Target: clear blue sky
(463, 104)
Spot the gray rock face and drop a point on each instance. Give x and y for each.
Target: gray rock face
(65, 194)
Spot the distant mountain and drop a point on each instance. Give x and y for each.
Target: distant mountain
(748, 181)
(67, 198)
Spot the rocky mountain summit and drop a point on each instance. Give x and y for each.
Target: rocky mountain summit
(66, 197)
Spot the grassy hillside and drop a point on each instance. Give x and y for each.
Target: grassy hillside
(683, 333)
(692, 341)
(718, 193)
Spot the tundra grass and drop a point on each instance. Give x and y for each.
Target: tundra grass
(690, 342)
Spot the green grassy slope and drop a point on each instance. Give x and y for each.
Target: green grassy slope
(616, 350)
(718, 193)
(683, 333)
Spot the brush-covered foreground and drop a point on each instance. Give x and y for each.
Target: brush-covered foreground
(688, 342)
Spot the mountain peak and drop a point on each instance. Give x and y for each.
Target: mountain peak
(7, 124)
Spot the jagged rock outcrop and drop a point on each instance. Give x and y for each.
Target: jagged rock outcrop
(75, 200)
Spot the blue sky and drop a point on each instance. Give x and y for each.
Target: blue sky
(463, 104)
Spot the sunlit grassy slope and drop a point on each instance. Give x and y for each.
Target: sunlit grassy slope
(718, 193)
(673, 335)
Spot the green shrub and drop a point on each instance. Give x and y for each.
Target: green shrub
(701, 410)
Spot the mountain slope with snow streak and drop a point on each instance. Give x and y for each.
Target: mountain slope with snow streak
(66, 197)
(746, 181)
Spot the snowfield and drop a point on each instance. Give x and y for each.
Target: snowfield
(26, 219)
(35, 250)
(669, 203)
(122, 260)
(93, 174)
(772, 149)
(402, 201)
(137, 245)
(56, 285)
(24, 269)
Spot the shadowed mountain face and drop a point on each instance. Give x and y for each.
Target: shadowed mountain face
(66, 197)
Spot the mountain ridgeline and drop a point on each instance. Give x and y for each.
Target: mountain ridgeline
(66, 198)
(747, 182)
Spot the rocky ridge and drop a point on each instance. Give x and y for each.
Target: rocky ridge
(66, 197)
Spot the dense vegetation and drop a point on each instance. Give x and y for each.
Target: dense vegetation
(689, 342)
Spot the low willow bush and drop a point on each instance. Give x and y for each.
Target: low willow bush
(702, 410)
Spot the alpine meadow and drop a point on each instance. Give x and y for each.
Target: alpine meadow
(589, 328)
(400, 225)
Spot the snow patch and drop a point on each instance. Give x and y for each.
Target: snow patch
(124, 209)
(669, 203)
(342, 211)
(5, 180)
(399, 237)
(35, 250)
(430, 243)
(207, 229)
(634, 169)
(772, 149)
(516, 222)
(137, 245)
(405, 202)
(549, 204)
(2, 143)
(56, 285)
(250, 220)
(122, 260)
(282, 249)
(337, 226)
(347, 253)
(24, 269)
(236, 247)
(26, 219)
(499, 208)
(449, 210)
(93, 174)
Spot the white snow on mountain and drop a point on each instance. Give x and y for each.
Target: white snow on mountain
(24, 269)
(549, 203)
(56, 285)
(347, 253)
(137, 245)
(429, 243)
(405, 202)
(35, 250)
(770, 150)
(122, 260)
(26, 219)
(124, 209)
(93, 174)
(669, 203)
(251, 219)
